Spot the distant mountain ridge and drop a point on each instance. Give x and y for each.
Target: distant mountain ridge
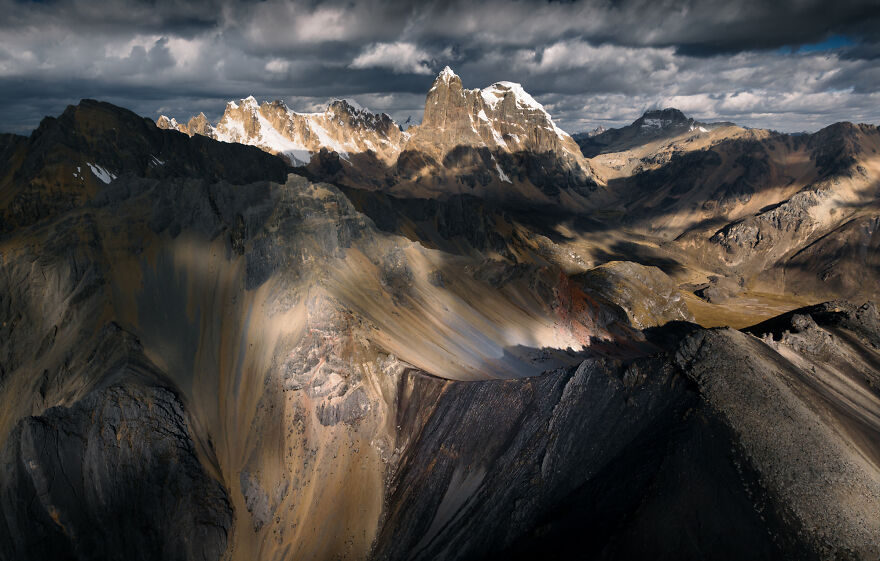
(496, 141)
(273, 127)
(652, 125)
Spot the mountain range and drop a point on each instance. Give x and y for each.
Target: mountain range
(496, 143)
(319, 336)
(729, 210)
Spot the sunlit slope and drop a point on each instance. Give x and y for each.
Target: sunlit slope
(275, 316)
(284, 319)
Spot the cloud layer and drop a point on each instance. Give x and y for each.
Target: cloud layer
(796, 65)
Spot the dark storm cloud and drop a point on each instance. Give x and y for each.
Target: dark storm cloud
(115, 17)
(788, 65)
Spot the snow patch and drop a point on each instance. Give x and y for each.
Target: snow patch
(491, 97)
(273, 140)
(499, 140)
(503, 176)
(101, 173)
(230, 130)
(326, 140)
(499, 90)
(298, 157)
(521, 96)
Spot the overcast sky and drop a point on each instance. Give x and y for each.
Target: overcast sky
(794, 65)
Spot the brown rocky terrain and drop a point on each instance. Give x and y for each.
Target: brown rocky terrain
(743, 211)
(208, 354)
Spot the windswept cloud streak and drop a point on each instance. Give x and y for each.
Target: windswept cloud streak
(791, 65)
(399, 57)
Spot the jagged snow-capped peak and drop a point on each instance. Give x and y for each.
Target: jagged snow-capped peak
(250, 102)
(343, 127)
(169, 122)
(446, 74)
(502, 116)
(351, 103)
(494, 94)
(445, 77)
(497, 91)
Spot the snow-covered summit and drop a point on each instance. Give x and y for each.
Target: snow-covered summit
(502, 118)
(499, 90)
(165, 122)
(343, 127)
(447, 74)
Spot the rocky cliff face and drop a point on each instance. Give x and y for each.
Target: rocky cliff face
(842, 193)
(83, 481)
(264, 329)
(703, 200)
(491, 142)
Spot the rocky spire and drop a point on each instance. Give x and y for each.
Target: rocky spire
(199, 125)
(447, 106)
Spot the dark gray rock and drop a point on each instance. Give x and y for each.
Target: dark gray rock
(113, 476)
(602, 461)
